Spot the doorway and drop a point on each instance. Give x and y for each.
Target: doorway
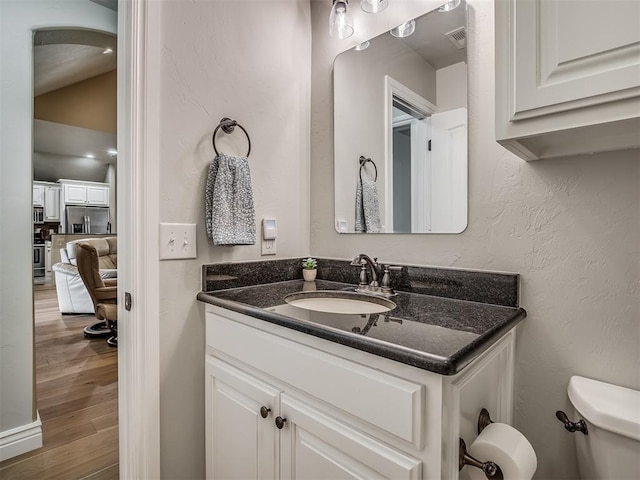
(20, 428)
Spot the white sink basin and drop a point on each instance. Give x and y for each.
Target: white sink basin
(349, 303)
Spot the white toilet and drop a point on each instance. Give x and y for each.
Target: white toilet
(611, 449)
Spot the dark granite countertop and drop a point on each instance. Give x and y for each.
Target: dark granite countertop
(434, 333)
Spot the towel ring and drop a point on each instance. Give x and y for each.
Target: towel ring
(363, 161)
(228, 126)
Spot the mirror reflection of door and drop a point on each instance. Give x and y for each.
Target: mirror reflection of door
(410, 169)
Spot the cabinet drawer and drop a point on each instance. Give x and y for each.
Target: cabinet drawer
(361, 391)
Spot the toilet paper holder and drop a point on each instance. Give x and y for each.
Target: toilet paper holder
(491, 469)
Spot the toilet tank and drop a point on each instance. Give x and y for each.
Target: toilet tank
(611, 450)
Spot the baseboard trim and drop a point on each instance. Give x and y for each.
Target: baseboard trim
(20, 440)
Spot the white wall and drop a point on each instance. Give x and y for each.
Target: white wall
(569, 226)
(250, 61)
(452, 87)
(17, 20)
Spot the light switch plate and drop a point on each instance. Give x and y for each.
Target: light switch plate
(177, 241)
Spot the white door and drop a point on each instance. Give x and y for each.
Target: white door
(448, 198)
(314, 445)
(97, 195)
(241, 437)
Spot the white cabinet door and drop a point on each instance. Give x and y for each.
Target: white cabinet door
(315, 445)
(97, 195)
(240, 443)
(75, 194)
(38, 195)
(567, 76)
(52, 204)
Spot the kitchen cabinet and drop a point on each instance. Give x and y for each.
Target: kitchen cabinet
(284, 404)
(86, 193)
(52, 203)
(46, 197)
(567, 76)
(38, 195)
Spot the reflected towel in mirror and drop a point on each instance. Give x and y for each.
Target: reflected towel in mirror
(367, 207)
(229, 207)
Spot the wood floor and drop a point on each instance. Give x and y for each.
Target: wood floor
(77, 390)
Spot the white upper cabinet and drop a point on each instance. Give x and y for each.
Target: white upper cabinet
(74, 194)
(97, 195)
(52, 204)
(567, 76)
(38, 195)
(86, 194)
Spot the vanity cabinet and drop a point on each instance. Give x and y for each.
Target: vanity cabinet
(256, 430)
(284, 404)
(567, 76)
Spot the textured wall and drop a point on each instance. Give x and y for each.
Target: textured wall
(250, 61)
(569, 226)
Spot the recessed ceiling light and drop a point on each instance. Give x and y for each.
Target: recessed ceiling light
(107, 51)
(112, 152)
(90, 155)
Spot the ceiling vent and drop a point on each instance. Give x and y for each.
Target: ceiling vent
(458, 37)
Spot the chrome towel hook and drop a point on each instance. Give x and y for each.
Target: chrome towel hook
(363, 161)
(228, 126)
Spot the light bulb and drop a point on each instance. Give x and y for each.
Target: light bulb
(362, 46)
(447, 7)
(374, 6)
(340, 20)
(404, 30)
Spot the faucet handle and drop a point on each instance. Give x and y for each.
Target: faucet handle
(363, 274)
(386, 278)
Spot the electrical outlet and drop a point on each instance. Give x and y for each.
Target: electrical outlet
(268, 247)
(177, 241)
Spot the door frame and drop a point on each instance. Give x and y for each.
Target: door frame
(393, 88)
(138, 269)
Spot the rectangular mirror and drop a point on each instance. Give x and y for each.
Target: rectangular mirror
(400, 128)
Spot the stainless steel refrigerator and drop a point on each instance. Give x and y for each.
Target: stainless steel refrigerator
(87, 219)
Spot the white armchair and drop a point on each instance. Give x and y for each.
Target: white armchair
(73, 296)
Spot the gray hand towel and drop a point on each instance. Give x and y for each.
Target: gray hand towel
(367, 207)
(229, 208)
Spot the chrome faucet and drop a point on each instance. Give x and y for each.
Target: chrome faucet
(382, 288)
(362, 260)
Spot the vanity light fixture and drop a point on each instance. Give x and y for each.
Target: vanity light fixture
(447, 7)
(374, 6)
(404, 30)
(340, 20)
(362, 46)
(113, 153)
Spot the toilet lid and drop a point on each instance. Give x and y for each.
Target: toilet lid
(610, 407)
